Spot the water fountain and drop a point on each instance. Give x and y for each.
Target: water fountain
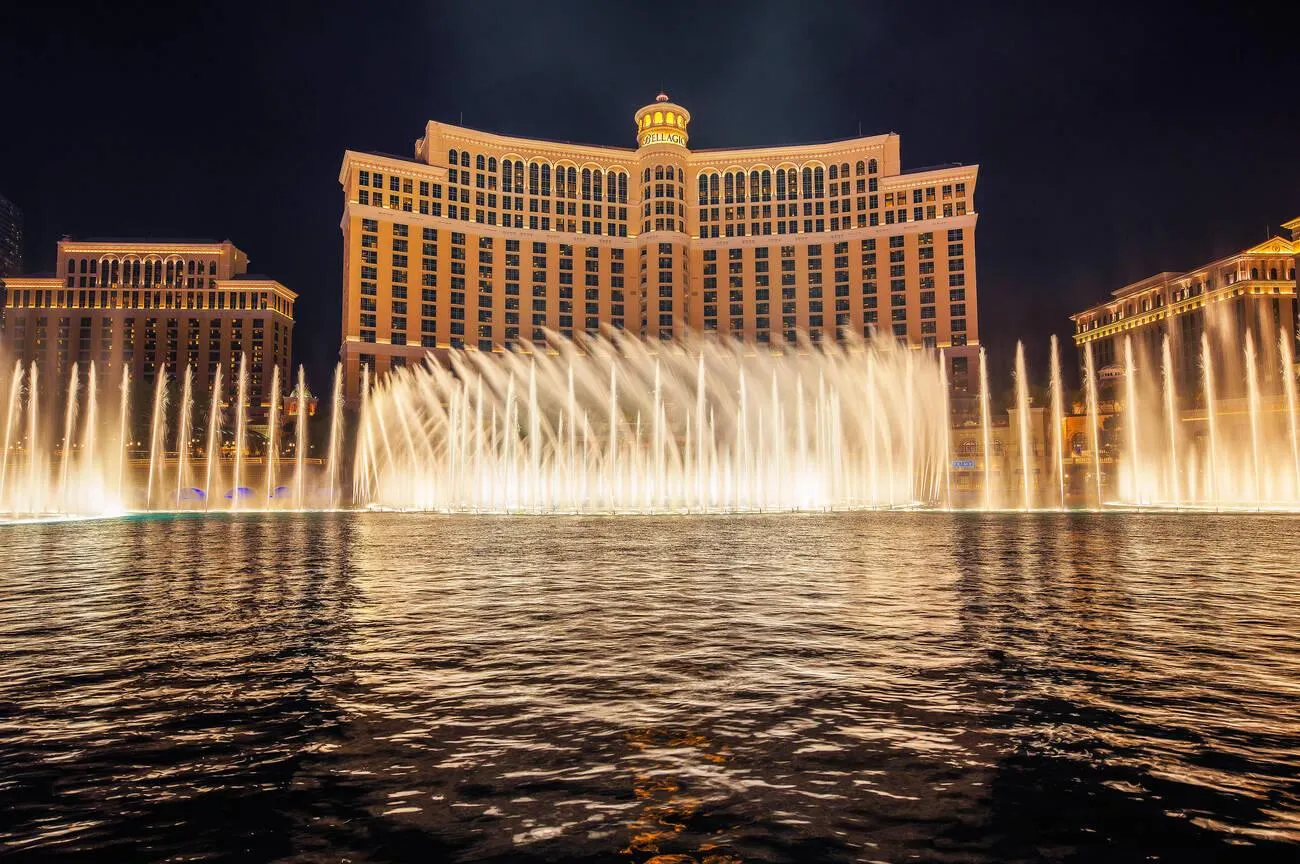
(1212, 442)
(273, 436)
(1022, 417)
(516, 433)
(1058, 423)
(1171, 417)
(986, 431)
(183, 434)
(241, 415)
(212, 467)
(300, 446)
(1094, 419)
(617, 425)
(335, 439)
(1289, 387)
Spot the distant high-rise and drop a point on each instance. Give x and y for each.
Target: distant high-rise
(11, 238)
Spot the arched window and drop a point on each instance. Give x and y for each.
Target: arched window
(728, 189)
(753, 185)
(767, 185)
(681, 176)
(519, 177)
(713, 188)
(819, 182)
(622, 188)
(844, 170)
(492, 164)
(704, 189)
(780, 185)
(464, 158)
(559, 181)
(645, 175)
(1254, 272)
(597, 191)
(871, 166)
(659, 118)
(681, 122)
(586, 183)
(534, 174)
(860, 168)
(792, 183)
(546, 179)
(670, 118)
(507, 175)
(1272, 273)
(478, 162)
(451, 157)
(740, 185)
(659, 172)
(835, 172)
(807, 182)
(573, 182)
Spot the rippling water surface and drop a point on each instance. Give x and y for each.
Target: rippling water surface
(857, 687)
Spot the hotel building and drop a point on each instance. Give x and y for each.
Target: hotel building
(487, 242)
(1253, 291)
(150, 305)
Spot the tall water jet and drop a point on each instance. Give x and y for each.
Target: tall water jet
(1207, 372)
(91, 478)
(336, 441)
(986, 432)
(156, 432)
(1252, 406)
(213, 454)
(123, 430)
(273, 435)
(11, 414)
(1289, 385)
(1058, 421)
(183, 433)
(1171, 418)
(1022, 415)
(363, 461)
(1093, 410)
(1131, 419)
(300, 448)
(69, 426)
(34, 459)
(241, 419)
(945, 433)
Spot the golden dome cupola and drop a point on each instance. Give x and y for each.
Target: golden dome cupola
(662, 122)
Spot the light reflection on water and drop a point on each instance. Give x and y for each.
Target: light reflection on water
(845, 687)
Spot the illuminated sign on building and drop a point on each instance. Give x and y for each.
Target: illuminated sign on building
(663, 138)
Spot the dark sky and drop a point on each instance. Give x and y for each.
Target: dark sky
(1111, 144)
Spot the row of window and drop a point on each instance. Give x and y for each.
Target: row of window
(103, 298)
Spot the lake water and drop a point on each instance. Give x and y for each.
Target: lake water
(855, 687)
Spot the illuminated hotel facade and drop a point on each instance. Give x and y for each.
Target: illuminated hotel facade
(489, 242)
(1253, 291)
(151, 305)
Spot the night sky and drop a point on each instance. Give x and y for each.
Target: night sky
(1111, 145)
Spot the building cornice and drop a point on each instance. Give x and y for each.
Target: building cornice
(1252, 287)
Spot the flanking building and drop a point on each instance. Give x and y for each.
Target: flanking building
(151, 305)
(1253, 290)
(488, 242)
